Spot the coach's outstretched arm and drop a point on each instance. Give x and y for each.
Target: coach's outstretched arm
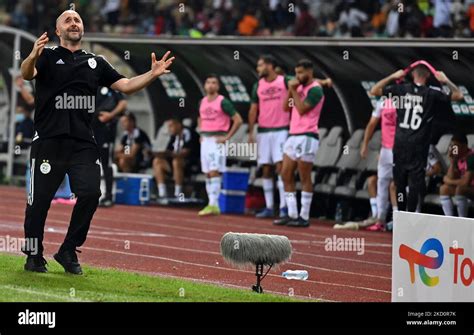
(456, 93)
(377, 89)
(132, 85)
(28, 69)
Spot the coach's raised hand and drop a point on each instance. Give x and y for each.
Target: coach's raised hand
(132, 85)
(39, 45)
(161, 66)
(28, 70)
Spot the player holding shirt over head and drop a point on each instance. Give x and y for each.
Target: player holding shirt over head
(416, 107)
(214, 122)
(266, 109)
(305, 101)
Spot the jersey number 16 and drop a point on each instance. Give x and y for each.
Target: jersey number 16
(412, 118)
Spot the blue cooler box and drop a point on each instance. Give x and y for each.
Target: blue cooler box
(232, 201)
(235, 179)
(132, 189)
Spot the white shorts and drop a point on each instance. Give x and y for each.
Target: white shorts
(270, 146)
(301, 147)
(385, 164)
(213, 156)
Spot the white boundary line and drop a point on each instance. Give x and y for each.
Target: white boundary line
(91, 236)
(46, 294)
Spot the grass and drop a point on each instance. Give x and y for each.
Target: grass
(107, 285)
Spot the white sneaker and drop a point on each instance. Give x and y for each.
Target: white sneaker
(347, 226)
(367, 222)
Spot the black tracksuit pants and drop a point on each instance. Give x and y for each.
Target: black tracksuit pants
(50, 160)
(409, 169)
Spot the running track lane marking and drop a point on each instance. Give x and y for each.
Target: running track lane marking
(62, 231)
(295, 252)
(102, 215)
(219, 268)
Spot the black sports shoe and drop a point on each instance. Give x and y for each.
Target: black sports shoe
(282, 222)
(36, 264)
(68, 260)
(299, 222)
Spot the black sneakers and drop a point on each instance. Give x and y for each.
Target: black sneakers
(289, 222)
(299, 222)
(68, 260)
(36, 264)
(282, 222)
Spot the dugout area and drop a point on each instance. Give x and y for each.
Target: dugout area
(353, 65)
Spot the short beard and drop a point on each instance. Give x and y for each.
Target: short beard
(71, 39)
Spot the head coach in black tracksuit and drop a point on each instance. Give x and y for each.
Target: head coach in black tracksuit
(109, 105)
(416, 103)
(67, 79)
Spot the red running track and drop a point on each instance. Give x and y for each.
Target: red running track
(175, 242)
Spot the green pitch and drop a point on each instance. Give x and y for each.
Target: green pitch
(17, 285)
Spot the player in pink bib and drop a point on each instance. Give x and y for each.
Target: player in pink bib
(305, 101)
(218, 121)
(385, 114)
(266, 109)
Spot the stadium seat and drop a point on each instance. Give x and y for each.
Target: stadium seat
(443, 147)
(329, 149)
(328, 153)
(432, 199)
(372, 159)
(345, 167)
(241, 136)
(322, 133)
(470, 140)
(161, 140)
(349, 164)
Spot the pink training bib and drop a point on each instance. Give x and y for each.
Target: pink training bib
(308, 122)
(388, 116)
(271, 96)
(213, 117)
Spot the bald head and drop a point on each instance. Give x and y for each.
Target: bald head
(69, 27)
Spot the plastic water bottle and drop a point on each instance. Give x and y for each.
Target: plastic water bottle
(338, 216)
(144, 194)
(295, 274)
